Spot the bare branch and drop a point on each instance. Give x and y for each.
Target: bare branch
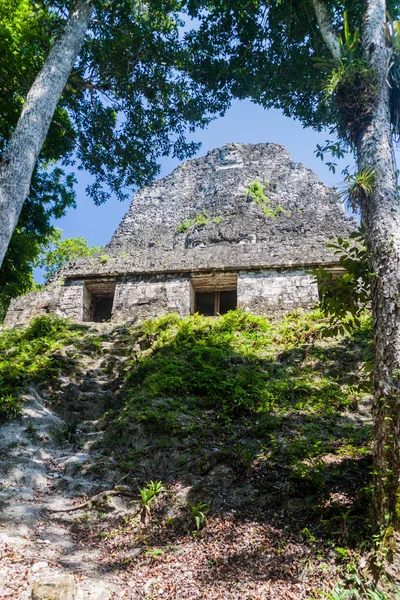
(328, 33)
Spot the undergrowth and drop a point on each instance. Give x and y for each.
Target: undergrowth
(280, 387)
(241, 364)
(274, 404)
(37, 354)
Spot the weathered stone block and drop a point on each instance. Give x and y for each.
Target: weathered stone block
(62, 588)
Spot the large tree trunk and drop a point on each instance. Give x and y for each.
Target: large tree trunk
(381, 216)
(18, 163)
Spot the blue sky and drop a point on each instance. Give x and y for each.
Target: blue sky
(245, 122)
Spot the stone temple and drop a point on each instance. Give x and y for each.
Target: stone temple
(201, 240)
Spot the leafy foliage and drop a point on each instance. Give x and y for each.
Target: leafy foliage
(351, 84)
(358, 188)
(265, 52)
(345, 295)
(129, 100)
(58, 252)
(34, 354)
(274, 53)
(149, 493)
(199, 514)
(47, 251)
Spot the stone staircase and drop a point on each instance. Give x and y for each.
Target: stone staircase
(47, 460)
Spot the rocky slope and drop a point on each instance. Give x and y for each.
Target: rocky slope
(231, 448)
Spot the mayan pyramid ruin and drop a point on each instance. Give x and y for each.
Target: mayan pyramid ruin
(239, 227)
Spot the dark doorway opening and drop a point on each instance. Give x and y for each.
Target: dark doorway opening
(227, 301)
(204, 303)
(98, 299)
(102, 308)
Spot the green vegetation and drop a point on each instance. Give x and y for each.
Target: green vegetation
(199, 219)
(44, 350)
(198, 377)
(199, 514)
(236, 366)
(257, 191)
(49, 252)
(57, 252)
(358, 187)
(346, 295)
(271, 405)
(150, 492)
(351, 84)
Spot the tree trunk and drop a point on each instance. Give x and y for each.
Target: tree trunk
(381, 216)
(18, 163)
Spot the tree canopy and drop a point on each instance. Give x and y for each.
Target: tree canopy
(57, 252)
(274, 54)
(128, 101)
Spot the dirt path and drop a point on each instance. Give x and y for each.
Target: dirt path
(38, 472)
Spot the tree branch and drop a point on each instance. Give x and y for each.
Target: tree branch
(326, 29)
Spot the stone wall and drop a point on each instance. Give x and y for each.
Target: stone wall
(271, 292)
(143, 297)
(260, 292)
(71, 300)
(63, 301)
(275, 292)
(25, 308)
(87, 308)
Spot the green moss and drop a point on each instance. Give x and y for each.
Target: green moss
(388, 545)
(397, 508)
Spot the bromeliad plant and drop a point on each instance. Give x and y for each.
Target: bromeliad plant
(357, 188)
(351, 84)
